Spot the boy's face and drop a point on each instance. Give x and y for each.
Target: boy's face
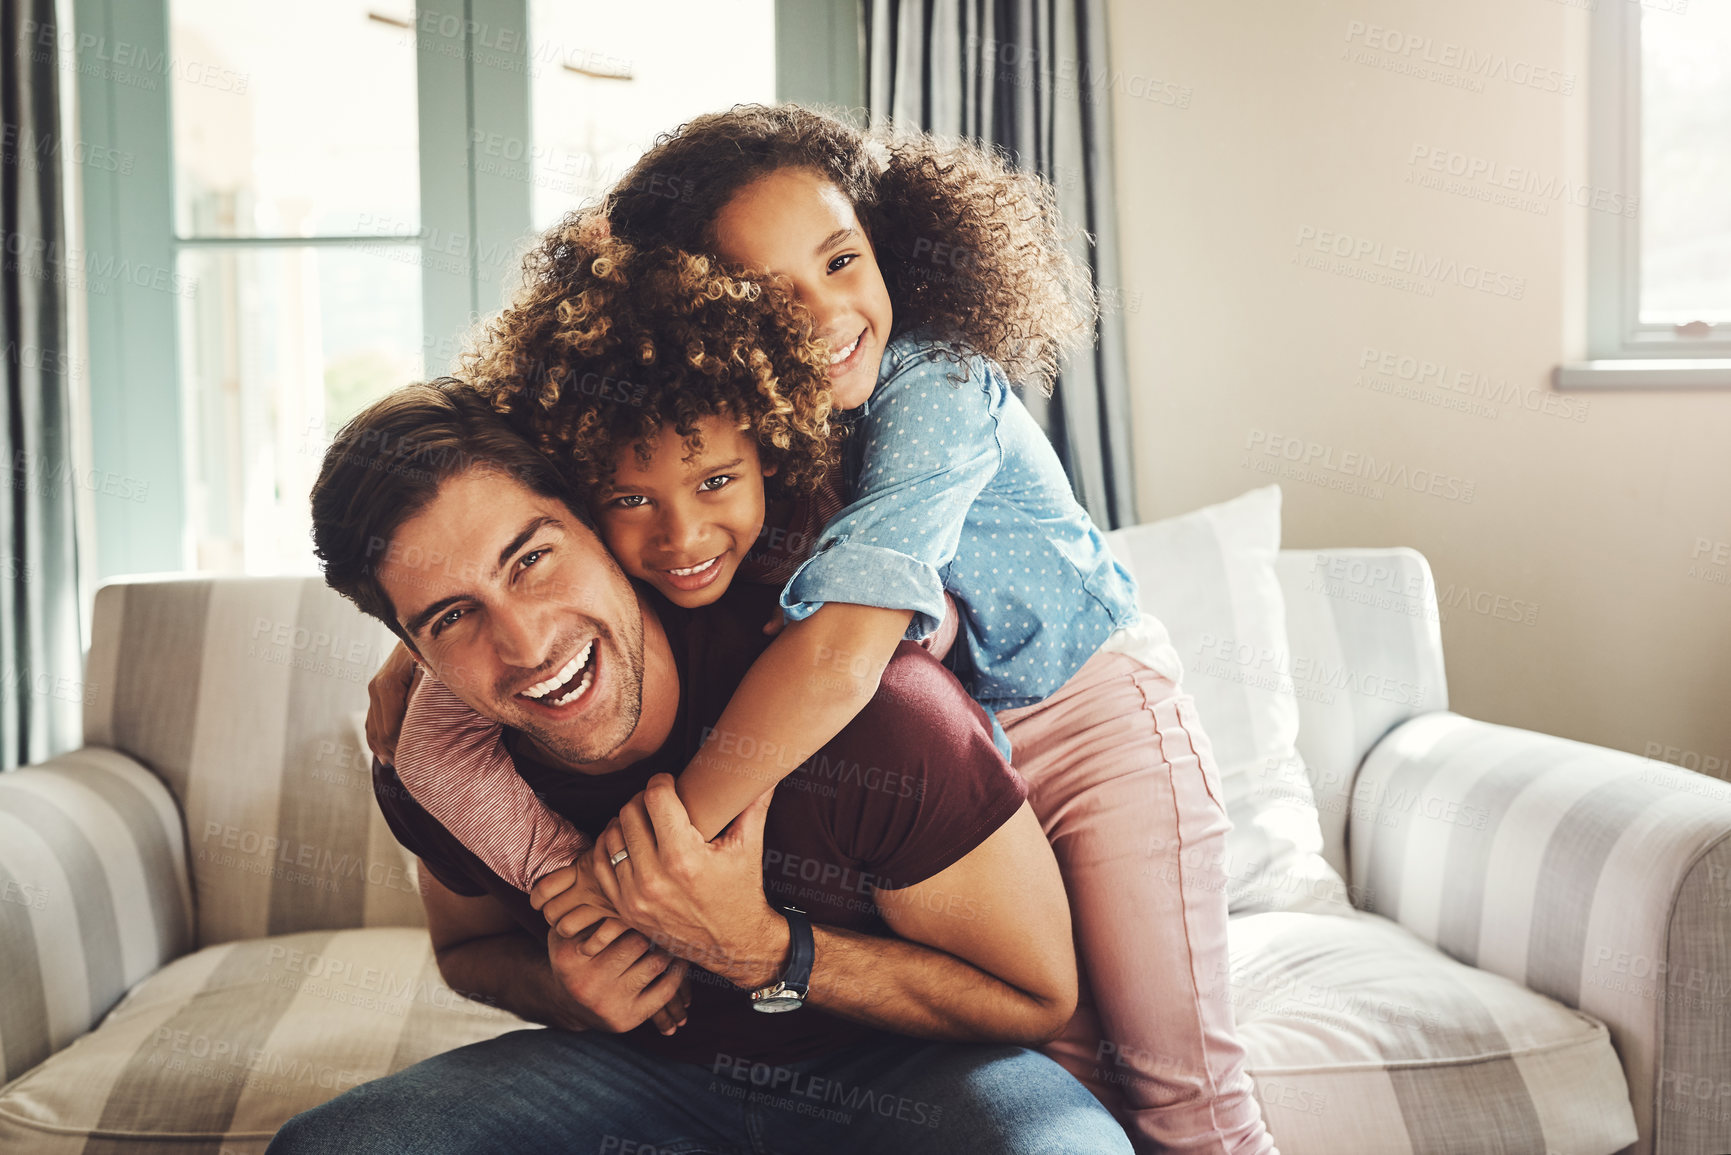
(798, 224)
(684, 523)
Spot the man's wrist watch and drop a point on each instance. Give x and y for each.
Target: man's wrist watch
(788, 993)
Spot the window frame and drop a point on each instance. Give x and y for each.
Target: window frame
(1622, 351)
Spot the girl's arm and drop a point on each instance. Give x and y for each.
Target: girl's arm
(802, 690)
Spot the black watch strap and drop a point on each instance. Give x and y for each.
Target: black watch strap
(801, 950)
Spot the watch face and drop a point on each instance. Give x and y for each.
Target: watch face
(776, 1004)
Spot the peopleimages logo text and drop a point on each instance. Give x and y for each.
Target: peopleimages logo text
(1472, 62)
(1413, 262)
(1322, 457)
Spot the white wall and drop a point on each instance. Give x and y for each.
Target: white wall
(1233, 343)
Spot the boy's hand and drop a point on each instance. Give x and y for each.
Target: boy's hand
(570, 899)
(672, 1016)
(388, 701)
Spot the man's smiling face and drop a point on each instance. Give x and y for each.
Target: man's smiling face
(517, 606)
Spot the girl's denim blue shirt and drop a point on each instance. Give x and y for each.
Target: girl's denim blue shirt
(956, 488)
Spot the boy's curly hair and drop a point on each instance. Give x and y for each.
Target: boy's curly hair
(970, 246)
(607, 342)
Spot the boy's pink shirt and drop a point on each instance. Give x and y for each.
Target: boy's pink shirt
(453, 762)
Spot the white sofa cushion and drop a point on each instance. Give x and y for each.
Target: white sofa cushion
(221, 1047)
(1362, 1040)
(1209, 576)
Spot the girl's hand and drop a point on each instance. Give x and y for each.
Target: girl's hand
(388, 701)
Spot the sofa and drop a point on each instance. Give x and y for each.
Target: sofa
(1448, 936)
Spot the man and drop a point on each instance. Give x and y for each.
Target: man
(896, 895)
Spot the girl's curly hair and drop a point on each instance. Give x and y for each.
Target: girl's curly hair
(607, 342)
(970, 246)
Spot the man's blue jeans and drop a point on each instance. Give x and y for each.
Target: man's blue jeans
(590, 1094)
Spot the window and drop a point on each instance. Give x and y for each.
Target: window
(314, 208)
(1659, 246)
(1685, 159)
(612, 79)
(283, 340)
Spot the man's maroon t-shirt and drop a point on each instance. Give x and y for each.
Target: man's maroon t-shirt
(908, 788)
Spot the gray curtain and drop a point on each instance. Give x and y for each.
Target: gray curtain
(41, 686)
(1033, 77)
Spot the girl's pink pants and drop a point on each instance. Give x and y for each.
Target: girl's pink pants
(1124, 782)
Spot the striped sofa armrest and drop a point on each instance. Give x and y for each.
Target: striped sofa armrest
(1596, 877)
(94, 896)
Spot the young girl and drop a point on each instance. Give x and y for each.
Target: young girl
(935, 274)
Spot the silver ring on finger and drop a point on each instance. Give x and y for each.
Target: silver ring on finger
(618, 856)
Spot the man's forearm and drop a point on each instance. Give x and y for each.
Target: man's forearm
(917, 990)
(511, 971)
(905, 987)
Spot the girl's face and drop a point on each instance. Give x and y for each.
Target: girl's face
(797, 223)
(683, 524)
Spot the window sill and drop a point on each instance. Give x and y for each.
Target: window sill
(1628, 373)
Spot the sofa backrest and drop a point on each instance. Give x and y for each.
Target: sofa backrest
(241, 694)
(1365, 644)
(244, 694)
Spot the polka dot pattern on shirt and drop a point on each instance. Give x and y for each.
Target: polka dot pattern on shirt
(957, 489)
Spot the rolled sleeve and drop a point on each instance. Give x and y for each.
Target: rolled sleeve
(930, 445)
(867, 575)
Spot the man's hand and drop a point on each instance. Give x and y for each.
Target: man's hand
(388, 701)
(576, 908)
(702, 901)
(483, 952)
(623, 986)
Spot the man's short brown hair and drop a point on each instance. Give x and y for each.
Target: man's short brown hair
(387, 465)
